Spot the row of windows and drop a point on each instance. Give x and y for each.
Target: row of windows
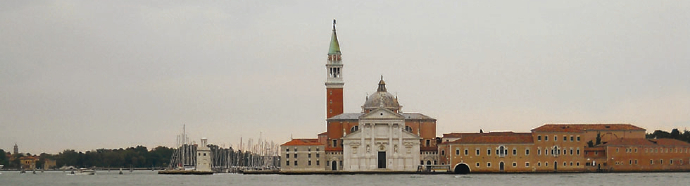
(500, 151)
(651, 162)
(295, 156)
(287, 163)
(555, 138)
(308, 149)
(555, 151)
(546, 164)
(658, 150)
(428, 162)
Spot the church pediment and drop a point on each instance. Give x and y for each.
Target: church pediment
(382, 114)
(368, 133)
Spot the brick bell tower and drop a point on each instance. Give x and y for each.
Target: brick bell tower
(334, 80)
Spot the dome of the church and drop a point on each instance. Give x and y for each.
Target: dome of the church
(381, 99)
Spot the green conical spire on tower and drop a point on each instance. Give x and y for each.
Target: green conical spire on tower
(335, 46)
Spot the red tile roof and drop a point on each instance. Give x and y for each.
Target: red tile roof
(302, 142)
(584, 127)
(495, 137)
(331, 149)
(458, 135)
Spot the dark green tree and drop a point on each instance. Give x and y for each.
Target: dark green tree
(3, 158)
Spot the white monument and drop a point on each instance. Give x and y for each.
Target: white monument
(203, 156)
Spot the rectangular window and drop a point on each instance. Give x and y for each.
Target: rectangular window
(457, 152)
(538, 152)
(308, 155)
(565, 138)
(477, 153)
(488, 164)
(428, 143)
(526, 151)
(578, 138)
(317, 155)
(295, 155)
(287, 150)
(295, 163)
(335, 142)
(571, 138)
(514, 152)
(538, 138)
(309, 163)
(287, 163)
(317, 162)
(555, 138)
(546, 138)
(488, 152)
(526, 164)
(467, 152)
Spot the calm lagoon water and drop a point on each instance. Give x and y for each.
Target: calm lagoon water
(105, 178)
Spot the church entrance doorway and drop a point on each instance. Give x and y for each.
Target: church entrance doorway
(334, 165)
(382, 159)
(501, 166)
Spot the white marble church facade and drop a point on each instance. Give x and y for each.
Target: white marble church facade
(381, 143)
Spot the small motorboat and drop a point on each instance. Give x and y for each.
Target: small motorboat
(84, 171)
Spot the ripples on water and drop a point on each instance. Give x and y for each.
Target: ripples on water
(105, 178)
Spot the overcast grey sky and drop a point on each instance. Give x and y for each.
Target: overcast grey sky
(108, 74)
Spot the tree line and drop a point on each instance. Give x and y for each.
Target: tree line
(674, 134)
(135, 157)
(141, 157)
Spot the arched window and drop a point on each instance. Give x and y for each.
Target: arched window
(408, 128)
(502, 151)
(355, 128)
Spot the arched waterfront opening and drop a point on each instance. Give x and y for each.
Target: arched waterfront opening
(334, 165)
(502, 166)
(461, 169)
